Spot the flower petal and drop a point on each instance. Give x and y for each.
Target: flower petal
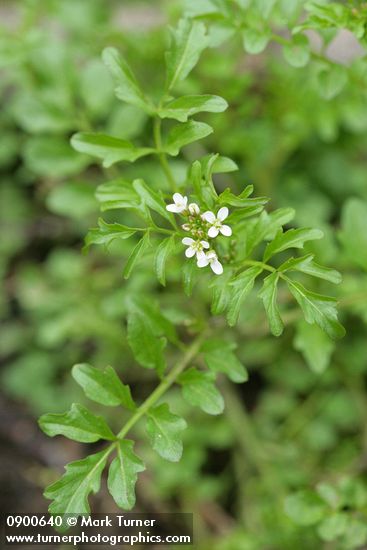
(225, 230)
(205, 244)
(222, 213)
(178, 198)
(216, 267)
(200, 254)
(194, 208)
(213, 232)
(202, 261)
(190, 252)
(187, 241)
(208, 216)
(173, 208)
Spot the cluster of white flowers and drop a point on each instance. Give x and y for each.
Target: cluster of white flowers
(201, 227)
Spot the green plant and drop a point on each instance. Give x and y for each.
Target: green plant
(231, 252)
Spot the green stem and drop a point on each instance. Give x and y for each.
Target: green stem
(260, 264)
(163, 386)
(162, 157)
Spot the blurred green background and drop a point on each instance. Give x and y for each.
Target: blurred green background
(300, 422)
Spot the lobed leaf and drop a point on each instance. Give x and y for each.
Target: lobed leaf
(146, 346)
(151, 310)
(104, 387)
(189, 39)
(332, 80)
(106, 233)
(293, 238)
(185, 133)
(78, 424)
(82, 477)
(219, 357)
(221, 293)
(182, 108)
(318, 309)
(108, 148)
(266, 226)
(315, 346)
(297, 52)
(199, 390)
(151, 199)
(127, 87)
(256, 40)
(164, 431)
(164, 250)
(135, 255)
(118, 193)
(241, 286)
(268, 294)
(305, 264)
(305, 507)
(122, 475)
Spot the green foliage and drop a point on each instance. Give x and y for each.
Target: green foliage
(122, 475)
(82, 477)
(184, 107)
(199, 390)
(219, 357)
(268, 294)
(332, 515)
(163, 429)
(104, 387)
(318, 309)
(108, 148)
(127, 88)
(188, 41)
(78, 424)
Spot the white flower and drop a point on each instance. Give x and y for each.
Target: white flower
(210, 258)
(216, 225)
(179, 204)
(194, 247)
(186, 227)
(194, 209)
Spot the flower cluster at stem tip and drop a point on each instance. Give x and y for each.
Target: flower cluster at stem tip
(201, 227)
